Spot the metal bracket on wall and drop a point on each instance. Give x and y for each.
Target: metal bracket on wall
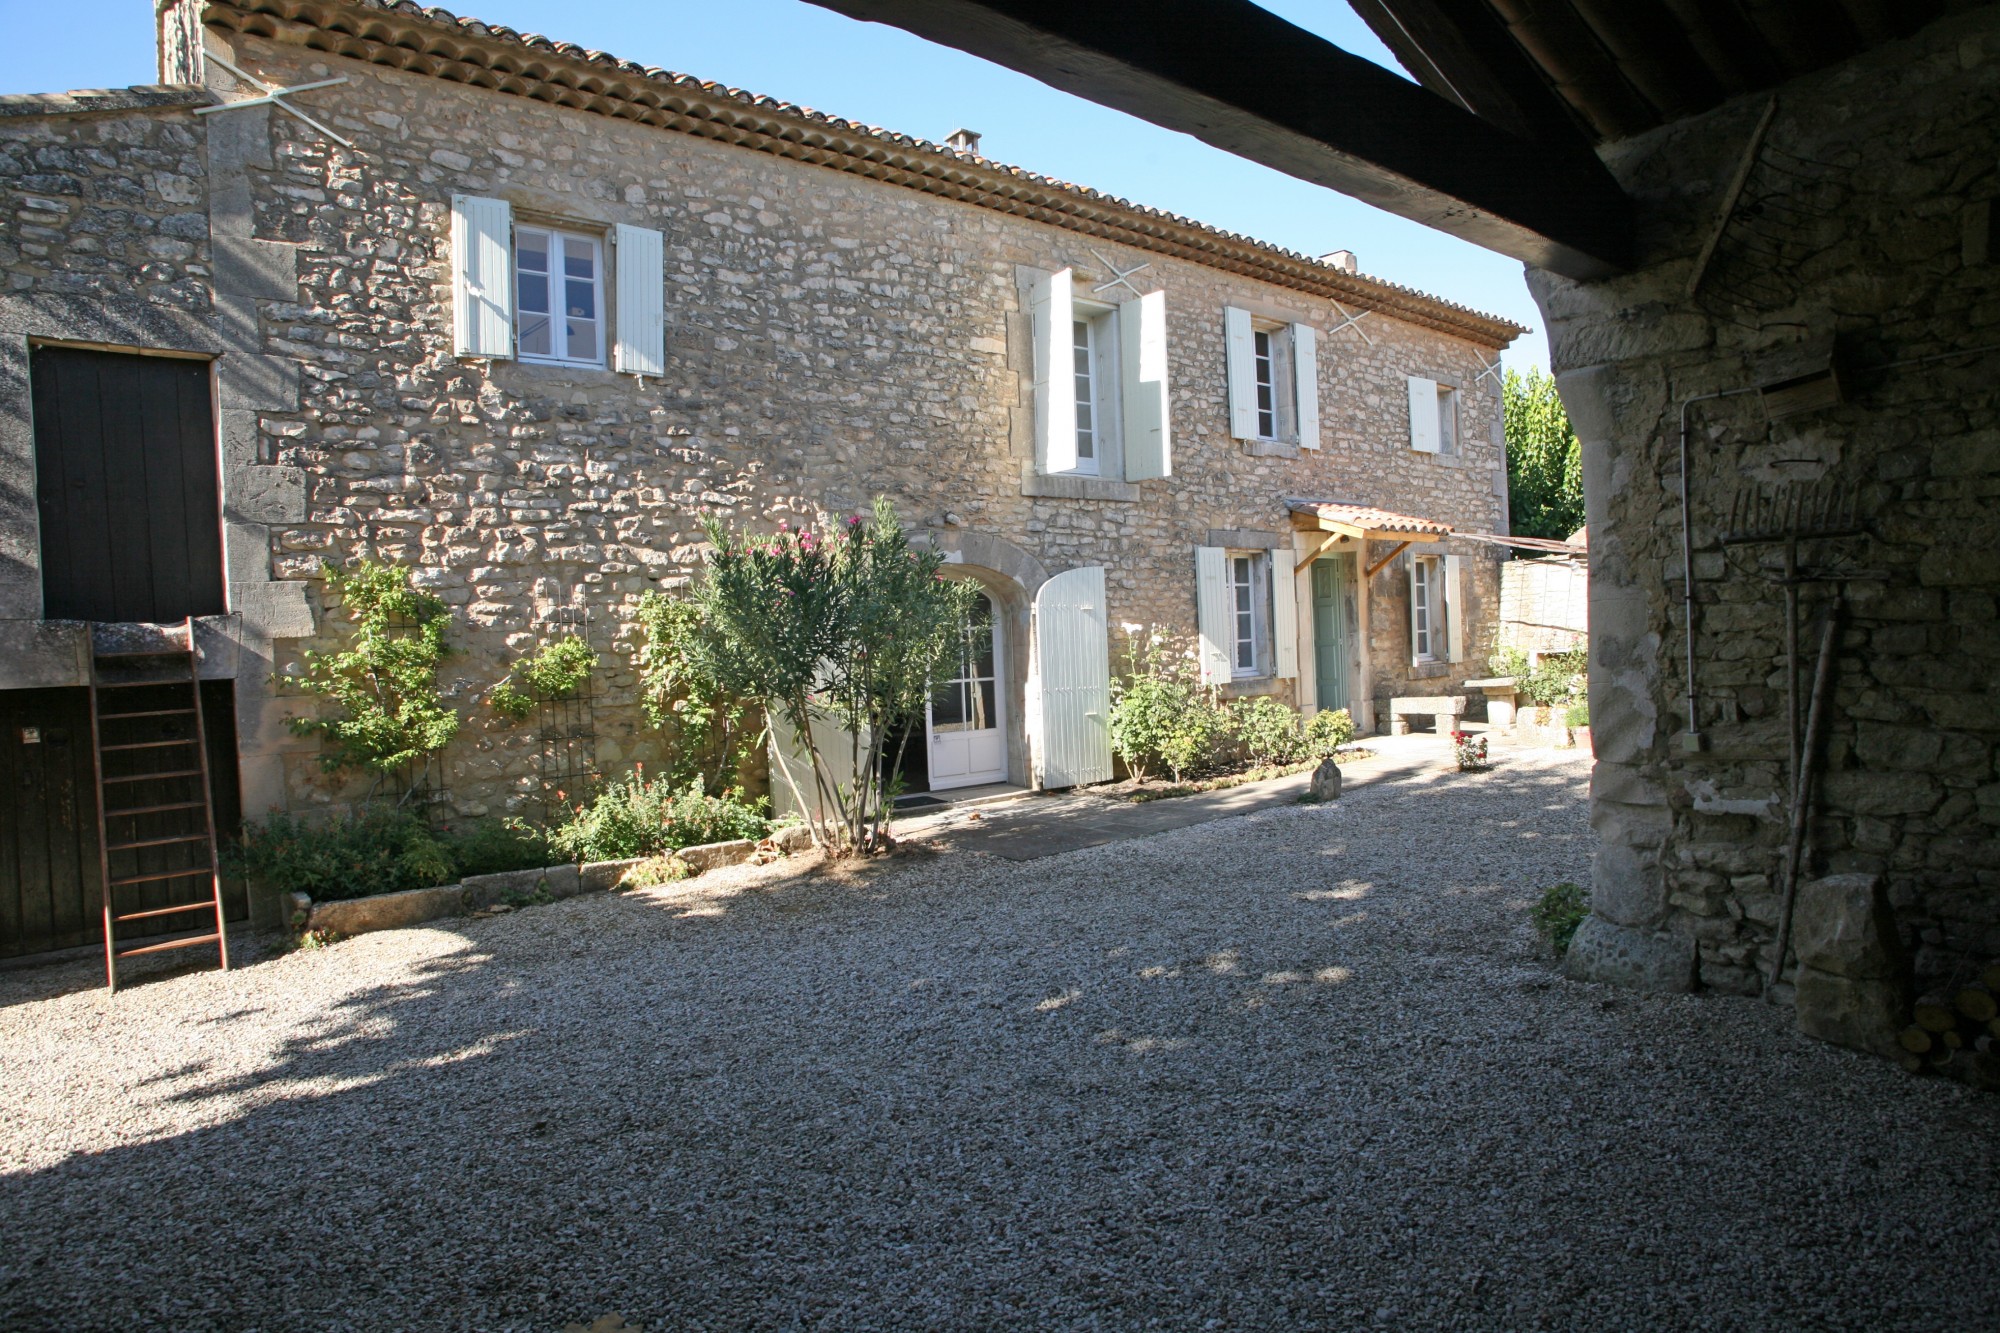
(1352, 322)
(274, 96)
(1119, 276)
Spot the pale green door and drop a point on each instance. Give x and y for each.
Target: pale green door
(1336, 626)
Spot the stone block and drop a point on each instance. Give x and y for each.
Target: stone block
(1624, 956)
(388, 911)
(273, 610)
(267, 270)
(556, 881)
(1862, 1014)
(265, 493)
(792, 838)
(603, 876)
(1325, 784)
(1843, 925)
(710, 855)
(1860, 792)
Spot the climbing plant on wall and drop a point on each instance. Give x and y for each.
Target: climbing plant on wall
(1544, 461)
(387, 712)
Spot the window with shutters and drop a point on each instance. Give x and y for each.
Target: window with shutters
(558, 296)
(1273, 380)
(1250, 611)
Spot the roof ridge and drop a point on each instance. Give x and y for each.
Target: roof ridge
(1463, 320)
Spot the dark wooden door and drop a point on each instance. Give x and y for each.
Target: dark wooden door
(49, 886)
(49, 894)
(125, 482)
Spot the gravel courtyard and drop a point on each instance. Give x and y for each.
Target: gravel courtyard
(1304, 1068)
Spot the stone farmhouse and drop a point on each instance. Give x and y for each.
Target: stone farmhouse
(364, 279)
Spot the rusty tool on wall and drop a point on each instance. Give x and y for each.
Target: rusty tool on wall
(1807, 762)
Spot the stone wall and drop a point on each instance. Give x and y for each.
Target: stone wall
(1868, 217)
(829, 339)
(1544, 605)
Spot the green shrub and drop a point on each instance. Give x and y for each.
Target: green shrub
(634, 817)
(1508, 662)
(653, 872)
(374, 850)
(1556, 680)
(1561, 910)
(490, 846)
(1577, 714)
(1268, 729)
(1328, 730)
(383, 686)
(1162, 718)
(378, 849)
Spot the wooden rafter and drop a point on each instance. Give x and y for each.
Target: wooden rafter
(1377, 567)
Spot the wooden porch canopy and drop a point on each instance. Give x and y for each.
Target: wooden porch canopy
(1360, 523)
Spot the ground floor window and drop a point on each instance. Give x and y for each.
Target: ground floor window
(1250, 601)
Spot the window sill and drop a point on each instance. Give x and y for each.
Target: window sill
(1249, 687)
(1070, 486)
(1271, 448)
(1427, 670)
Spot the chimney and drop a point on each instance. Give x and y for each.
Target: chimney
(965, 141)
(1343, 260)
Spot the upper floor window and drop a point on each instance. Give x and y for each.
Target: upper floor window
(538, 292)
(558, 296)
(1100, 383)
(1434, 426)
(1273, 379)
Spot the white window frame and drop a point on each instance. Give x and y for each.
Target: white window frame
(1428, 598)
(1249, 582)
(1264, 379)
(558, 239)
(1089, 383)
(1104, 402)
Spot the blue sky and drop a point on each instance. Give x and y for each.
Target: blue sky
(800, 53)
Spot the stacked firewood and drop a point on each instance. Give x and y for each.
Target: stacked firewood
(1957, 1025)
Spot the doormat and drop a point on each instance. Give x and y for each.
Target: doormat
(916, 802)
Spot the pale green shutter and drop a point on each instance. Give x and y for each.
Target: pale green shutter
(641, 347)
(482, 278)
(1423, 415)
(1240, 350)
(1305, 381)
(1284, 616)
(1070, 710)
(1142, 329)
(1214, 616)
(1052, 312)
(1454, 606)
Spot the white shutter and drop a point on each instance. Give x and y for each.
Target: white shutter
(1240, 346)
(1215, 617)
(1414, 651)
(1454, 605)
(1071, 718)
(1142, 337)
(1305, 380)
(790, 763)
(1423, 415)
(1052, 309)
(641, 257)
(482, 280)
(1284, 615)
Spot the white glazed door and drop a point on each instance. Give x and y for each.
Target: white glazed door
(967, 714)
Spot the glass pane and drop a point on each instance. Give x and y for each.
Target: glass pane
(982, 706)
(948, 707)
(582, 334)
(534, 289)
(534, 334)
(580, 299)
(531, 251)
(982, 651)
(579, 258)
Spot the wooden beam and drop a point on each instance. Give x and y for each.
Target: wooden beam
(1318, 551)
(1461, 50)
(1244, 80)
(1376, 568)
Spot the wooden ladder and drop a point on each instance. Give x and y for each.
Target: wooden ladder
(155, 818)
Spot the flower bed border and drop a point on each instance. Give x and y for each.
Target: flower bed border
(413, 907)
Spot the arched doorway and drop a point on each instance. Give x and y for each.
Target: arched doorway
(966, 721)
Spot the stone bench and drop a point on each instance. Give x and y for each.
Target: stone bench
(1445, 711)
(1499, 691)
